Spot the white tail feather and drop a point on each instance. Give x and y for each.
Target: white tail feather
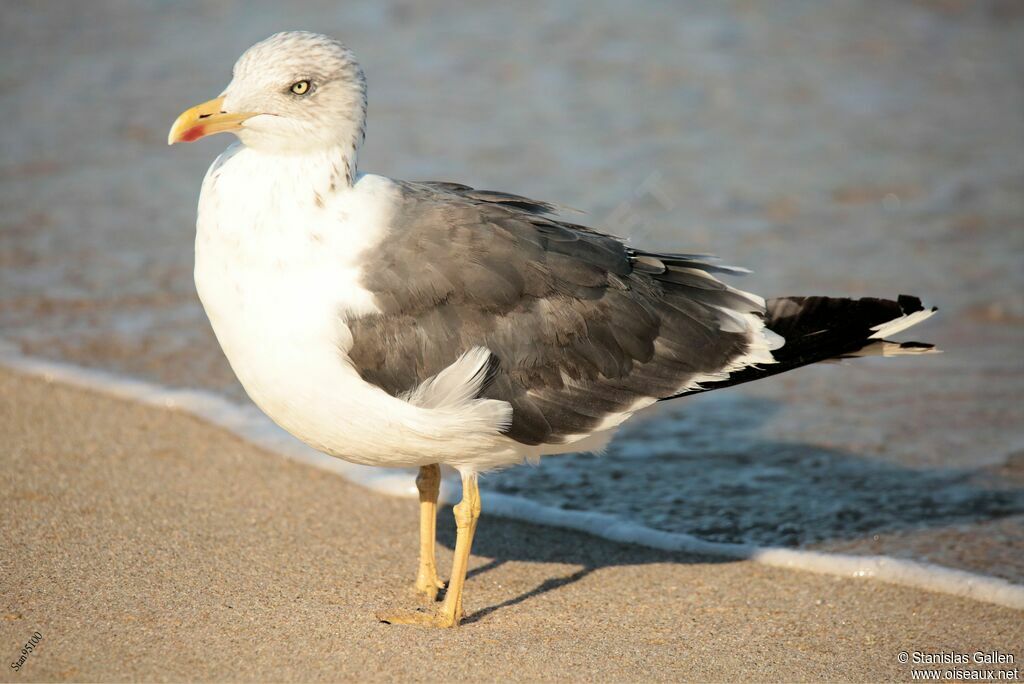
(887, 348)
(900, 324)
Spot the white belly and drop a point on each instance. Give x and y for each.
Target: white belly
(275, 340)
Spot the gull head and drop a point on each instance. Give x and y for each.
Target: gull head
(294, 93)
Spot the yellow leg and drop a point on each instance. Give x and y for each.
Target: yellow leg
(467, 513)
(429, 483)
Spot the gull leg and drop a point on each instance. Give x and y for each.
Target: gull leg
(467, 513)
(429, 483)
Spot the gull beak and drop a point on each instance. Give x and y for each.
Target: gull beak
(203, 120)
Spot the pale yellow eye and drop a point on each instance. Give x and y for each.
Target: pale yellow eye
(300, 88)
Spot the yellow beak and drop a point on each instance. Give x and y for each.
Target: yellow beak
(203, 120)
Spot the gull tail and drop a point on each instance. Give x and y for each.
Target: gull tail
(826, 329)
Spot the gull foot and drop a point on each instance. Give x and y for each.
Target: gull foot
(418, 617)
(427, 588)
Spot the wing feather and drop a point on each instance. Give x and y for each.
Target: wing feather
(582, 327)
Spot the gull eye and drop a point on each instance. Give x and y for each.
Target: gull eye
(300, 87)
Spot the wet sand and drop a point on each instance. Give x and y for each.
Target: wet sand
(145, 544)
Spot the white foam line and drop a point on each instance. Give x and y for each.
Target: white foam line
(248, 423)
(883, 568)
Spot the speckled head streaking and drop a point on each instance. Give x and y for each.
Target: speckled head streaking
(307, 92)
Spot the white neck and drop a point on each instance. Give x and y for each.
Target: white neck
(311, 176)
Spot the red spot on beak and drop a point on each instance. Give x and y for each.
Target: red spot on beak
(193, 134)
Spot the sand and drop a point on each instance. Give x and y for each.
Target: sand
(147, 545)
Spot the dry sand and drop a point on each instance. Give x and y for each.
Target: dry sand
(147, 545)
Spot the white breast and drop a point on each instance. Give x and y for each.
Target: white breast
(270, 255)
(278, 272)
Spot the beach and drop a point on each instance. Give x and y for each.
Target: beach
(839, 152)
(147, 545)
(834, 148)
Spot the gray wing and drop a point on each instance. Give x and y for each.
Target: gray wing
(580, 325)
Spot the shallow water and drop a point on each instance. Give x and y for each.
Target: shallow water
(705, 470)
(834, 147)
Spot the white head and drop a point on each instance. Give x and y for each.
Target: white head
(294, 93)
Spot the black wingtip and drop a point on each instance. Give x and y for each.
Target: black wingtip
(910, 304)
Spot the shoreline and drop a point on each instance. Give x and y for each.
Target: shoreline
(250, 425)
(151, 545)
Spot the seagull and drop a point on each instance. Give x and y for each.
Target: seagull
(414, 324)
